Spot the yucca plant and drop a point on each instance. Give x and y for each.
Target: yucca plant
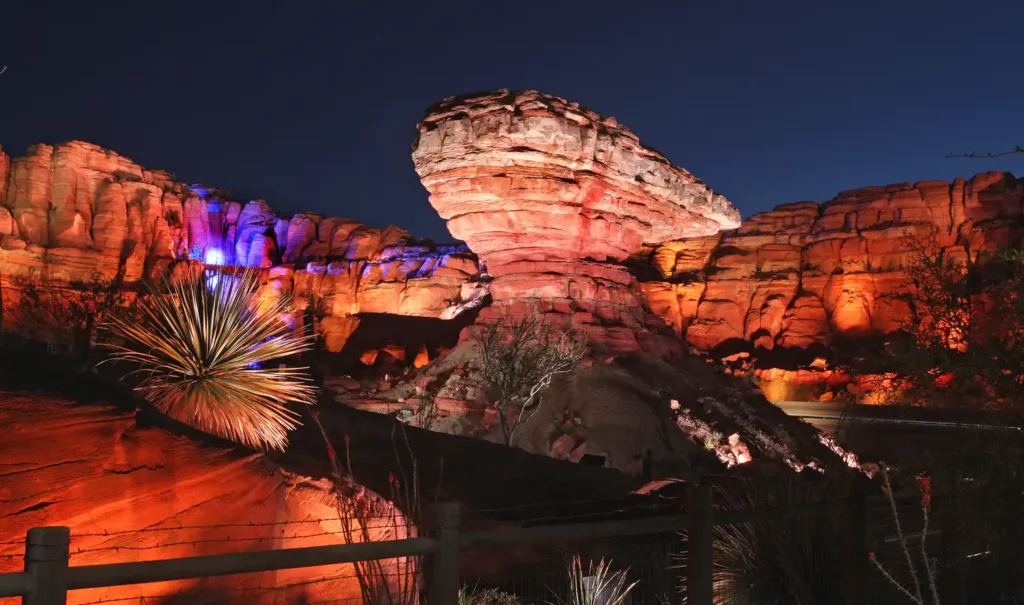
(597, 585)
(198, 348)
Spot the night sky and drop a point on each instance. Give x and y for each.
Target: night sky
(313, 105)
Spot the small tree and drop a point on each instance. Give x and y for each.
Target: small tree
(518, 359)
(964, 334)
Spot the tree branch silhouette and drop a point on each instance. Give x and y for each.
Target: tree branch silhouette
(987, 155)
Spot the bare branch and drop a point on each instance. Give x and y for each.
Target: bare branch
(518, 359)
(987, 155)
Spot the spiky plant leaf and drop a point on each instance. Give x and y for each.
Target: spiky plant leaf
(596, 585)
(198, 348)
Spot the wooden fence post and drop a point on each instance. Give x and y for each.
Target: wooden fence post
(700, 546)
(857, 549)
(46, 563)
(444, 587)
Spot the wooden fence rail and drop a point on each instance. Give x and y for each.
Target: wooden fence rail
(47, 577)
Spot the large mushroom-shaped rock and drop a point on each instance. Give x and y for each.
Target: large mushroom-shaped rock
(553, 197)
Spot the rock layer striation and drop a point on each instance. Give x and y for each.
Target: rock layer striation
(552, 197)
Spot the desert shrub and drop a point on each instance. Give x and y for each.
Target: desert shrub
(199, 348)
(517, 360)
(486, 596)
(799, 561)
(365, 516)
(595, 585)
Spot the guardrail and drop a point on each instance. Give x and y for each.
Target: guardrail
(47, 576)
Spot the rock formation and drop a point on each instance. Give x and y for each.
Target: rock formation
(130, 493)
(553, 197)
(803, 275)
(75, 212)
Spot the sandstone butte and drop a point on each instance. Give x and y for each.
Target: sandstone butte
(73, 211)
(553, 197)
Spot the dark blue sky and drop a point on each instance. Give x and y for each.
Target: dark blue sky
(313, 105)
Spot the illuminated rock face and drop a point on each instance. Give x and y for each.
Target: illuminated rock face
(107, 478)
(75, 211)
(552, 197)
(804, 273)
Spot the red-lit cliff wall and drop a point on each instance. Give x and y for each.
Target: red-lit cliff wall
(803, 274)
(74, 211)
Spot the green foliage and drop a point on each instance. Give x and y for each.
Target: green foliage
(198, 348)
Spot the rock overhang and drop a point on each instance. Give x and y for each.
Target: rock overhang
(532, 135)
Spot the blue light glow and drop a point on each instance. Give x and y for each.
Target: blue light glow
(214, 257)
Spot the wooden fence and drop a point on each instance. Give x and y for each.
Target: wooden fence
(47, 576)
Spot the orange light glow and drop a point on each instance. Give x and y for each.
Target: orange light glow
(422, 358)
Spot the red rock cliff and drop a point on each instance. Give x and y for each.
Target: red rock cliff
(804, 273)
(72, 211)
